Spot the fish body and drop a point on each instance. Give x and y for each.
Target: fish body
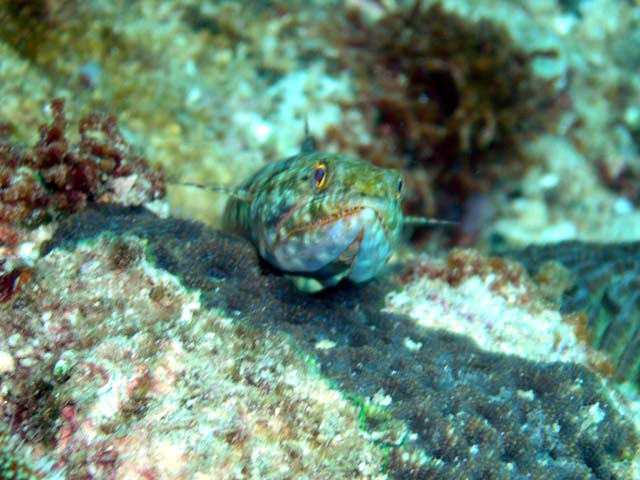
(320, 217)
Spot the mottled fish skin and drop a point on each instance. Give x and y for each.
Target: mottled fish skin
(320, 216)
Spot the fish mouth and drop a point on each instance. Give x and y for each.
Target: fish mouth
(320, 222)
(341, 266)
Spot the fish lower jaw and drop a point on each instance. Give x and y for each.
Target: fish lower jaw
(314, 247)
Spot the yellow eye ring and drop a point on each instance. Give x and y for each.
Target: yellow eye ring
(320, 175)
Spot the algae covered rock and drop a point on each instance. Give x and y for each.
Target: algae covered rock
(436, 402)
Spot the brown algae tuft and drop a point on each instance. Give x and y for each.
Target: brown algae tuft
(449, 100)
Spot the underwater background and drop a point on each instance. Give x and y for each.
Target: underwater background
(139, 340)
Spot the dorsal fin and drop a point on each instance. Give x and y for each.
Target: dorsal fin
(308, 144)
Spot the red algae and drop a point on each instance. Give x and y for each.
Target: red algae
(58, 176)
(504, 276)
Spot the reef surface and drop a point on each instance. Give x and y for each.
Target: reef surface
(138, 345)
(227, 367)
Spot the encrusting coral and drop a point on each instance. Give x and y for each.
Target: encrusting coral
(222, 380)
(121, 372)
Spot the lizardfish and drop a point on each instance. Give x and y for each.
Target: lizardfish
(321, 217)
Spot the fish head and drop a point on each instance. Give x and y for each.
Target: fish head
(334, 217)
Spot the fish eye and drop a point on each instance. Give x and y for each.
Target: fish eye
(320, 175)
